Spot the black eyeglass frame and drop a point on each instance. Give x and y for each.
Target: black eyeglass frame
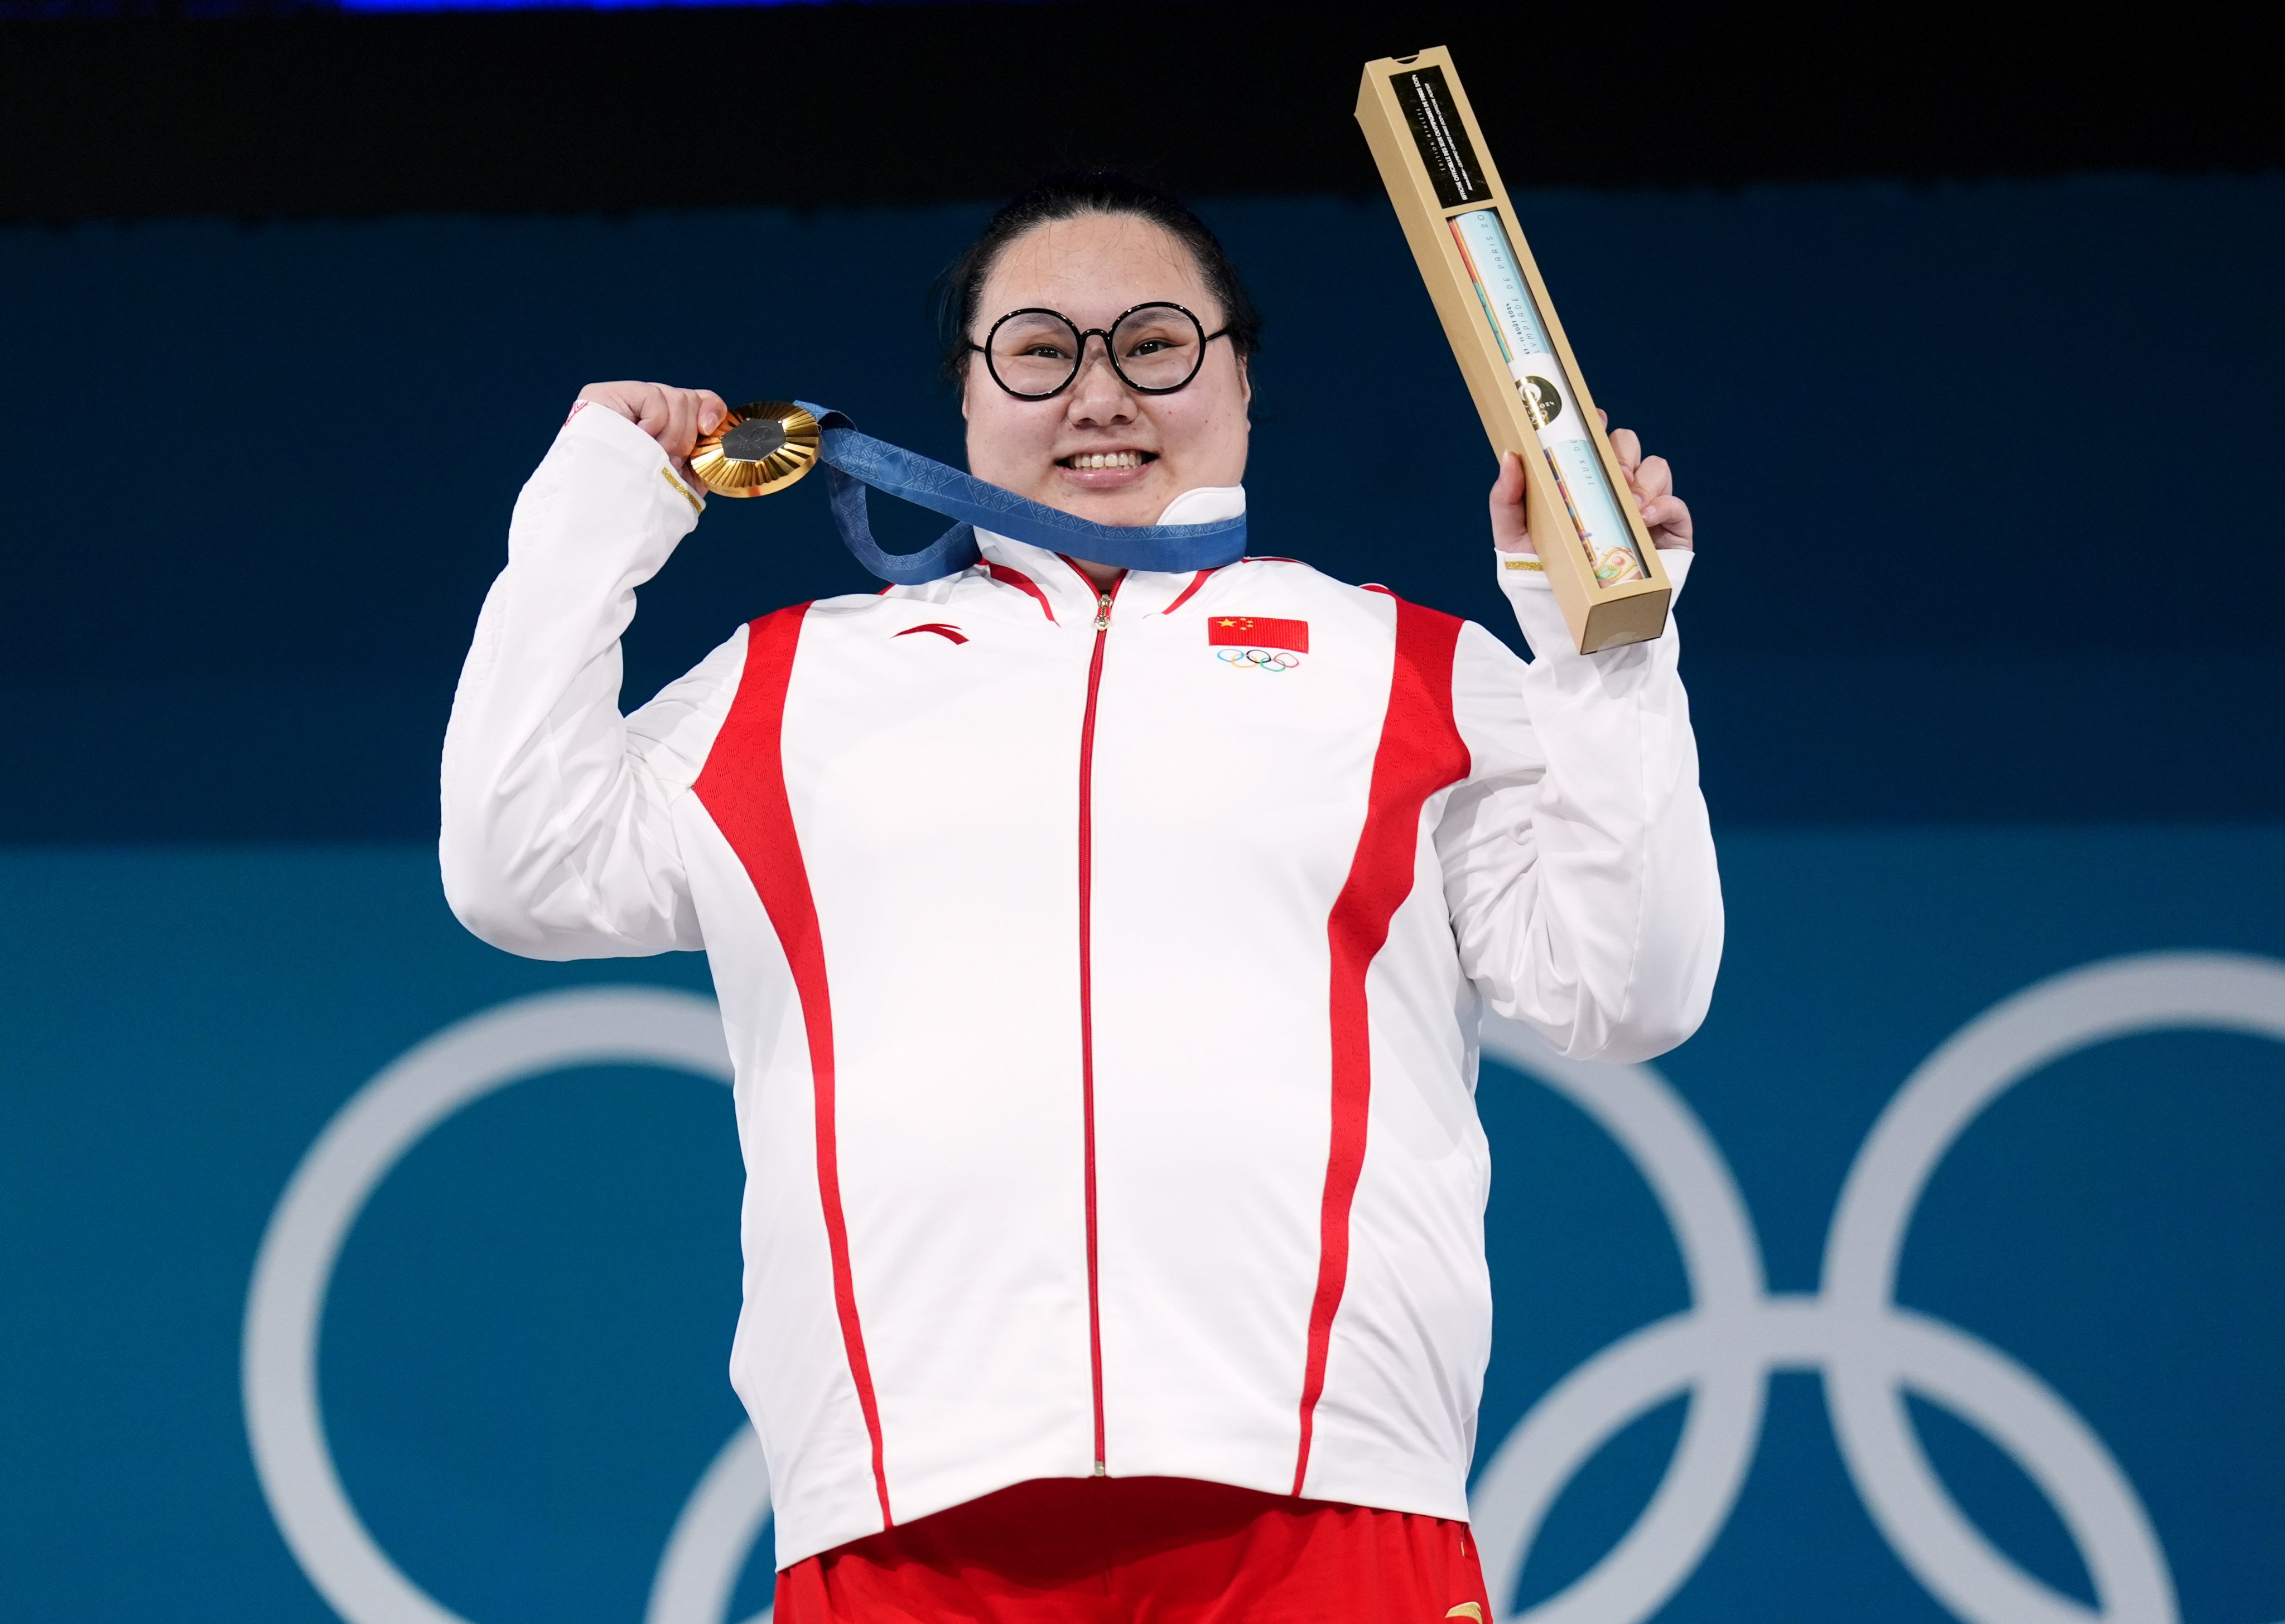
(1079, 351)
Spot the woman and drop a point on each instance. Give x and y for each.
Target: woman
(1099, 954)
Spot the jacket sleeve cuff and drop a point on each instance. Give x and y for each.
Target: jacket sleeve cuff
(602, 429)
(1524, 579)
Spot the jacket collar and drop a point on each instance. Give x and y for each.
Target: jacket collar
(1069, 596)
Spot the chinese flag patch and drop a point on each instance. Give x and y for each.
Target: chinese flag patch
(1257, 632)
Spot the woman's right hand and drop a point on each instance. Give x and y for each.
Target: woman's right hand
(674, 417)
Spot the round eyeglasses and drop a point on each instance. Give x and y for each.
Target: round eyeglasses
(1154, 348)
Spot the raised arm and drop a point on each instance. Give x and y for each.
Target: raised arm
(558, 838)
(1578, 863)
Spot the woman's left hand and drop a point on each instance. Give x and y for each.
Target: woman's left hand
(1665, 514)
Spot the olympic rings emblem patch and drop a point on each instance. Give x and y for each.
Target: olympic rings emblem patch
(1258, 659)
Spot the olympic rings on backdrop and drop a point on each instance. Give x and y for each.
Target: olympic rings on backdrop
(547, 1034)
(1871, 1351)
(1258, 659)
(1722, 1350)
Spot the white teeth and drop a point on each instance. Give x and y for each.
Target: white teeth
(1107, 460)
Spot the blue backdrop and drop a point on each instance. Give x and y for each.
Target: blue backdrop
(1987, 681)
(523, 1357)
(1981, 467)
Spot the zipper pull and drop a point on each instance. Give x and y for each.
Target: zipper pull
(1103, 614)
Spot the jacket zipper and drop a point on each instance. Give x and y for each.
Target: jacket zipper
(1086, 1002)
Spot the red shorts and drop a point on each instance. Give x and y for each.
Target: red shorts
(1144, 1551)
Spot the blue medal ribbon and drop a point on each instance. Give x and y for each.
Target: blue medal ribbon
(855, 461)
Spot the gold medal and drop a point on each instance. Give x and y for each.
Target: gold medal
(761, 447)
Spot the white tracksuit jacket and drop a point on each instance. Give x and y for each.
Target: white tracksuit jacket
(1102, 1007)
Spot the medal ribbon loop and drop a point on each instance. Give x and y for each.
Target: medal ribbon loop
(855, 461)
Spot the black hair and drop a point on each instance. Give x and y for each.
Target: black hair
(1068, 194)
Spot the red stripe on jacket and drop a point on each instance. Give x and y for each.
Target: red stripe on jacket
(1420, 752)
(743, 790)
(1009, 576)
(1184, 596)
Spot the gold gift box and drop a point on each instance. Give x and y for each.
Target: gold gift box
(1591, 542)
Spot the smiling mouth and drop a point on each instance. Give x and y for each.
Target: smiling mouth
(1106, 460)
